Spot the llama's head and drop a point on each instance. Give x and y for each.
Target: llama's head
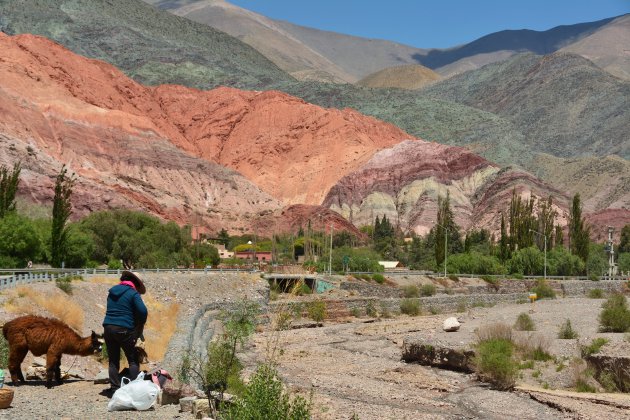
(97, 342)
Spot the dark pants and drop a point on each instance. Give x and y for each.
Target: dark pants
(116, 338)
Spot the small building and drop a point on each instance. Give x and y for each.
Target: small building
(223, 252)
(390, 265)
(260, 256)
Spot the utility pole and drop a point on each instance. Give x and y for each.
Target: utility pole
(612, 267)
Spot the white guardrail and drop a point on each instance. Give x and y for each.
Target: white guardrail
(18, 276)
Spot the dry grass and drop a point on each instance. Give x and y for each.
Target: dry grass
(494, 331)
(104, 280)
(160, 326)
(27, 300)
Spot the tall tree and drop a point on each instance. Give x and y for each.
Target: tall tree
(546, 220)
(559, 237)
(8, 188)
(579, 231)
(624, 242)
(446, 221)
(62, 209)
(504, 242)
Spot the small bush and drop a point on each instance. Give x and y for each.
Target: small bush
(594, 347)
(495, 363)
(453, 277)
(524, 322)
(528, 364)
(317, 310)
(596, 294)
(543, 290)
(593, 277)
(264, 398)
(385, 311)
(427, 290)
(615, 316)
(536, 374)
(566, 331)
(518, 276)
(410, 307)
(4, 352)
(379, 278)
(494, 331)
(582, 386)
(411, 291)
(433, 310)
(492, 281)
(535, 347)
(370, 310)
(365, 277)
(304, 290)
(355, 312)
(461, 306)
(65, 284)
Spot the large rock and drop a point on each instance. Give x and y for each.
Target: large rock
(186, 404)
(35, 373)
(437, 354)
(451, 324)
(102, 377)
(201, 408)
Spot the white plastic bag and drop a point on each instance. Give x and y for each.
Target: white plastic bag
(134, 395)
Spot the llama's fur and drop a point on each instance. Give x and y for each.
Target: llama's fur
(45, 336)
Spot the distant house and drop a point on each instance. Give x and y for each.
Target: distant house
(223, 253)
(390, 265)
(260, 256)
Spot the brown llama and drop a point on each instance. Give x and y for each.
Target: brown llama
(45, 336)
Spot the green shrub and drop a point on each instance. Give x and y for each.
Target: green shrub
(385, 311)
(304, 289)
(492, 281)
(411, 291)
(453, 277)
(528, 364)
(355, 312)
(596, 294)
(379, 278)
(593, 277)
(566, 331)
(65, 284)
(4, 352)
(517, 276)
(495, 362)
(370, 310)
(365, 277)
(615, 316)
(543, 290)
(524, 322)
(410, 307)
(582, 386)
(433, 310)
(317, 310)
(427, 290)
(594, 347)
(264, 398)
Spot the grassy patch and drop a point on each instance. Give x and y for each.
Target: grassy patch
(495, 362)
(379, 278)
(59, 305)
(161, 325)
(524, 322)
(427, 290)
(543, 290)
(411, 291)
(596, 294)
(410, 307)
(317, 310)
(594, 347)
(615, 316)
(566, 331)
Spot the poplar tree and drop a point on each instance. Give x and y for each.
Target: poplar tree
(504, 242)
(579, 231)
(559, 237)
(62, 209)
(445, 219)
(8, 188)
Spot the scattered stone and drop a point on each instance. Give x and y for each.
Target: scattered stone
(102, 377)
(35, 373)
(73, 373)
(39, 362)
(186, 404)
(201, 408)
(451, 324)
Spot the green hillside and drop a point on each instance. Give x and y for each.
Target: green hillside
(150, 45)
(567, 105)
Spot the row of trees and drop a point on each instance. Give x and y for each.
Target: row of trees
(119, 238)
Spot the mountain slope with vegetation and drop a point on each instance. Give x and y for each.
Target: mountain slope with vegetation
(152, 46)
(565, 104)
(411, 76)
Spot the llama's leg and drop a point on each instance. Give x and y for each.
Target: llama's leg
(51, 364)
(16, 356)
(58, 372)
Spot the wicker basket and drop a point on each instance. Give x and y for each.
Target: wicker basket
(6, 397)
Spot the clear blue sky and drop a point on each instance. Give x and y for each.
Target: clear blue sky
(434, 23)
